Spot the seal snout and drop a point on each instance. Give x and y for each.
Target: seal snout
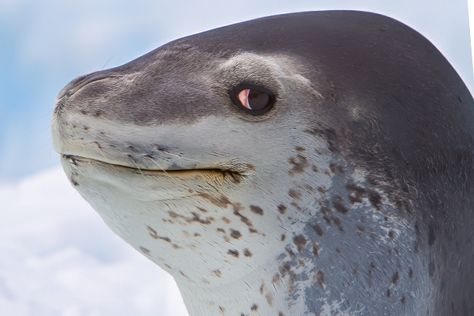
(83, 80)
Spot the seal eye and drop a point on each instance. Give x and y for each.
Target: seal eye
(252, 99)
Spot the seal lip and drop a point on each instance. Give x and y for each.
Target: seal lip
(235, 175)
(234, 91)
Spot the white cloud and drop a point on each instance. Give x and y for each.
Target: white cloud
(58, 258)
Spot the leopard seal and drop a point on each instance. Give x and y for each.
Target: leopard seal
(316, 163)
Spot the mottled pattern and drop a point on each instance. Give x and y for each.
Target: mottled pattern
(351, 196)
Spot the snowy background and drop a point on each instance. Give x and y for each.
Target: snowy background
(56, 255)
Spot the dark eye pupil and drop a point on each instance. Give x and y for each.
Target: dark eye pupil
(258, 100)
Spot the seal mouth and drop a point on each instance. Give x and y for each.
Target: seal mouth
(234, 175)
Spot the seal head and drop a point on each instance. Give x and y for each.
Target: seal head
(300, 164)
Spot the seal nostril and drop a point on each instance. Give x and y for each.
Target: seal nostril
(65, 91)
(81, 81)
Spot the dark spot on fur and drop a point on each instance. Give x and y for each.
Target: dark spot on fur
(370, 270)
(403, 300)
(144, 250)
(256, 209)
(195, 218)
(299, 164)
(269, 298)
(247, 252)
(225, 220)
(335, 168)
(315, 249)
(338, 204)
(314, 168)
(410, 273)
(294, 194)
(356, 193)
(84, 112)
(395, 278)
(152, 232)
(254, 307)
(300, 242)
(338, 223)
(320, 278)
(290, 252)
(233, 252)
(326, 211)
(295, 205)
(276, 278)
(283, 236)
(237, 208)
(375, 199)
(235, 234)
(318, 230)
(253, 230)
(98, 113)
(391, 234)
(155, 235)
(221, 230)
(388, 293)
(203, 210)
(221, 201)
(281, 209)
(167, 239)
(217, 273)
(98, 145)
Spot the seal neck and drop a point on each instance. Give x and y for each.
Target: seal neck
(262, 292)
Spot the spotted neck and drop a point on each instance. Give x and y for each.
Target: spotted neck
(261, 292)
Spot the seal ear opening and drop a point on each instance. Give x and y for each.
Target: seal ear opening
(252, 98)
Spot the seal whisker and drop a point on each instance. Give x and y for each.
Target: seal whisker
(160, 167)
(180, 156)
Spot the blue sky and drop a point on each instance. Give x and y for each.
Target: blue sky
(57, 257)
